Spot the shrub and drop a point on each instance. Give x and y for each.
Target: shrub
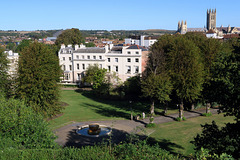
(207, 114)
(151, 125)
(23, 126)
(179, 119)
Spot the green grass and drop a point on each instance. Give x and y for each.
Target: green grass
(176, 136)
(83, 106)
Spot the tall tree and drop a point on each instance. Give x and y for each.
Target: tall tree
(157, 88)
(70, 36)
(156, 82)
(22, 45)
(186, 70)
(38, 75)
(4, 83)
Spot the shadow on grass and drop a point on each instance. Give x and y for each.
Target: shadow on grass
(108, 112)
(117, 137)
(137, 107)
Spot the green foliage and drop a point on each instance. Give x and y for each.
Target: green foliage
(204, 154)
(11, 46)
(157, 87)
(179, 119)
(224, 140)
(207, 114)
(140, 150)
(186, 69)
(132, 87)
(90, 44)
(151, 119)
(21, 126)
(22, 45)
(4, 78)
(38, 75)
(70, 36)
(151, 125)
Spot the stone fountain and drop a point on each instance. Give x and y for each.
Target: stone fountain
(94, 130)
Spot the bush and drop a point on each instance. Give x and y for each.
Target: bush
(219, 140)
(23, 126)
(207, 114)
(140, 150)
(179, 119)
(151, 125)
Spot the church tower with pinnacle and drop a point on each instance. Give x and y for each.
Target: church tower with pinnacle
(211, 19)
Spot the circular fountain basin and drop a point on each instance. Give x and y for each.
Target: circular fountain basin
(84, 131)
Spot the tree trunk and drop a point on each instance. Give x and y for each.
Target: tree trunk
(181, 110)
(192, 108)
(208, 105)
(152, 109)
(166, 107)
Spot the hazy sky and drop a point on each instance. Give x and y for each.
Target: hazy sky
(114, 14)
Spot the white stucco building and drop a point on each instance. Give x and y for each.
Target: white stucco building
(13, 62)
(142, 41)
(126, 61)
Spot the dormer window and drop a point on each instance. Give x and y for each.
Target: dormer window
(137, 52)
(128, 52)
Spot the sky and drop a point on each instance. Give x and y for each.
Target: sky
(114, 14)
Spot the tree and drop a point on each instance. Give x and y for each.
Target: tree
(38, 75)
(4, 77)
(23, 126)
(186, 70)
(70, 36)
(156, 87)
(226, 88)
(22, 45)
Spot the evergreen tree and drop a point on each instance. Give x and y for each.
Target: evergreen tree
(38, 75)
(4, 81)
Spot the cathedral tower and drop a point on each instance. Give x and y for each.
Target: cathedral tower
(211, 19)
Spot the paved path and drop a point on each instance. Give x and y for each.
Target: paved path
(67, 135)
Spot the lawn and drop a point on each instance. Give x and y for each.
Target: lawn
(83, 106)
(176, 136)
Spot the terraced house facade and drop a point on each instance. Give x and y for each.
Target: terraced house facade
(125, 61)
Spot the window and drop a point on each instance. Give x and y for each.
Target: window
(129, 60)
(64, 67)
(109, 68)
(137, 52)
(116, 68)
(100, 57)
(70, 67)
(77, 66)
(94, 57)
(100, 66)
(136, 60)
(82, 57)
(136, 69)
(128, 52)
(77, 57)
(70, 58)
(83, 66)
(88, 57)
(67, 76)
(128, 69)
(109, 60)
(116, 59)
(70, 51)
(78, 76)
(63, 58)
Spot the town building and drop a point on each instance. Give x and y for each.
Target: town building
(125, 61)
(13, 62)
(141, 41)
(182, 27)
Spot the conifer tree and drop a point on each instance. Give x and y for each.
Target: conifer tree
(38, 75)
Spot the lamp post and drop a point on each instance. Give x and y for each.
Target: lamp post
(130, 102)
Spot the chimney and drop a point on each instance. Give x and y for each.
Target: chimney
(76, 46)
(62, 46)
